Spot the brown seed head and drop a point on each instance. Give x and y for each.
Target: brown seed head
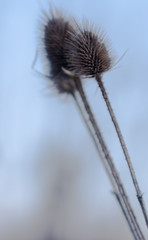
(56, 31)
(86, 54)
(72, 51)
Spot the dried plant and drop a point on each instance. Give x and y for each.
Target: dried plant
(73, 52)
(88, 56)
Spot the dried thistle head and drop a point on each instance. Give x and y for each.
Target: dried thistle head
(73, 51)
(87, 53)
(56, 30)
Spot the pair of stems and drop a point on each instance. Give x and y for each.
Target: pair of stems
(112, 172)
(124, 148)
(115, 190)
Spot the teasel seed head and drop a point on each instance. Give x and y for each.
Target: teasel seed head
(87, 53)
(56, 30)
(72, 52)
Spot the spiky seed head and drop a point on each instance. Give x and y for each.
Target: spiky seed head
(56, 30)
(78, 51)
(87, 54)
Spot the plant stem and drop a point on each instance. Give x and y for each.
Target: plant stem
(123, 145)
(95, 142)
(137, 233)
(101, 157)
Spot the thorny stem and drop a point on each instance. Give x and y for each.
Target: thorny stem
(123, 145)
(137, 233)
(115, 191)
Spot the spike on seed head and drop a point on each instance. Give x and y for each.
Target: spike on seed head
(56, 31)
(87, 54)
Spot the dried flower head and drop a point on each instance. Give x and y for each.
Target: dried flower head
(87, 53)
(56, 30)
(72, 52)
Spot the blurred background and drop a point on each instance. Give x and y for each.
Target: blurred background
(52, 184)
